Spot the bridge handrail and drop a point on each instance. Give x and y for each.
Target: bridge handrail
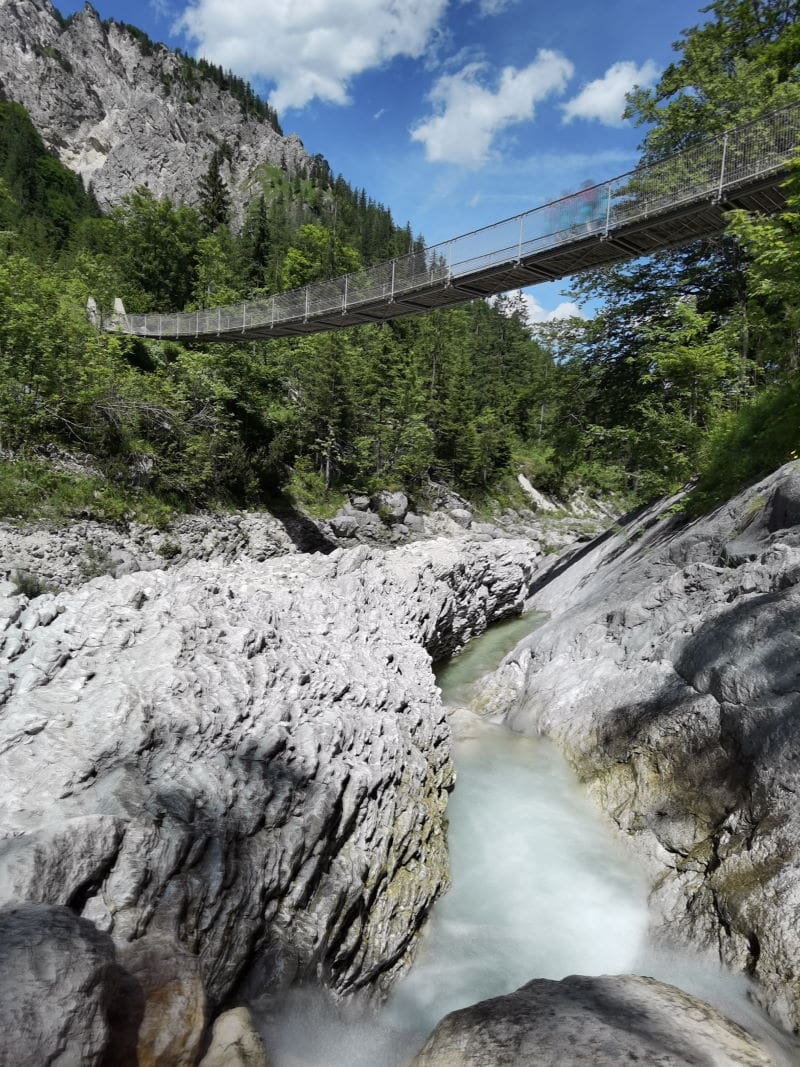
(703, 171)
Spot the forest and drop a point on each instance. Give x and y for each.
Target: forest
(689, 370)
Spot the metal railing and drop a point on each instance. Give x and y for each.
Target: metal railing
(704, 172)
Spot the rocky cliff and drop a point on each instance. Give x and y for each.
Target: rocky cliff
(123, 112)
(237, 772)
(670, 674)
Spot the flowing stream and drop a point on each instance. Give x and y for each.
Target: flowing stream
(542, 888)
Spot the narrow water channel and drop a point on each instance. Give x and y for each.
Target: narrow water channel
(541, 889)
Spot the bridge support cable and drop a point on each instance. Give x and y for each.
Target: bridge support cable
(666, 203)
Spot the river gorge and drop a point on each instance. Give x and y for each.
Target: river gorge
(227, 783)
(542, 887)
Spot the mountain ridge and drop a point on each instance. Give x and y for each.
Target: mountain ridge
(124, 112)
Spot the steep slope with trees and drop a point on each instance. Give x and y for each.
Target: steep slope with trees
(691, 359)
(688, 341)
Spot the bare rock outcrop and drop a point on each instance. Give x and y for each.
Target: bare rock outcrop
(235, 1042)
(596, 1022)
(61, 557)
(669, 673)
(240, 772)
(123, 112)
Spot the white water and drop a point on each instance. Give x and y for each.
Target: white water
(541, 889)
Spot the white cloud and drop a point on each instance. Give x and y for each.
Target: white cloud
(309, 49)
(162, 10)
(468, 115)
(567, 309)
(494, 7)
(538, 314)
(604, 98)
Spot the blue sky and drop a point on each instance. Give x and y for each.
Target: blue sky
(454, 113)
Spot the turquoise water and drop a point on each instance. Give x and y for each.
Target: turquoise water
(542, 888)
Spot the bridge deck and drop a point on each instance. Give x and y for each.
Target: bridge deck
(660, 206)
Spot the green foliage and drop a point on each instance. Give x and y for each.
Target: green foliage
(684, 341)
(773, 273)
(169, 549)
(306, 488)
(154, 248)
(40, 199)
(316, 253)
(743, 60)
(213, 272)
(32, 489)
(215, 200)
(635, 401)
(747, 444)
(95, 563)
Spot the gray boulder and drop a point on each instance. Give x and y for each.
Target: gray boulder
(235, 1042)
(391, 507)
(596, 1022)
(783, 508)
(241, 770)
(461, 516)
(344, 524)
(57, 983)
(351, 523)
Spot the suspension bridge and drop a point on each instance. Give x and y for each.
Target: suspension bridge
(662, 205)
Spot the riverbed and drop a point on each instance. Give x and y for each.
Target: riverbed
(541, 888)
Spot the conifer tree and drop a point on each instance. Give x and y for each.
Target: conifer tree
(215, 200)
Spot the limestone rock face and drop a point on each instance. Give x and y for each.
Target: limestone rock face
(240, 771)
(122, 114)
(70, 555)
(596, 1022)
(669, 673)
(57, 982)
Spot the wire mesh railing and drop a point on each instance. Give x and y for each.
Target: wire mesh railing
(706, 171)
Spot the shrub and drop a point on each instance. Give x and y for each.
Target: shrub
(31, 585)
(747, 444)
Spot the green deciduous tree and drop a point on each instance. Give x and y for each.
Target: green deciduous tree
(156, 247)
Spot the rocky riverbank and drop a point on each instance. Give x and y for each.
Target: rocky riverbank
(669, 673)
(50, 557)
(224, 777)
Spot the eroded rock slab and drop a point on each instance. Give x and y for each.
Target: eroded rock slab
(597, 1022)
(248, 764)
(669, 674)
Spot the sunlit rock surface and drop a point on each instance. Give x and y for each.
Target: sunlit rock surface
(670, 674)
(235, 1042)
(124, 114)
(241, 768)
(596, 1022)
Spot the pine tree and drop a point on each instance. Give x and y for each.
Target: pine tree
(256, 245)
(215, 200)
